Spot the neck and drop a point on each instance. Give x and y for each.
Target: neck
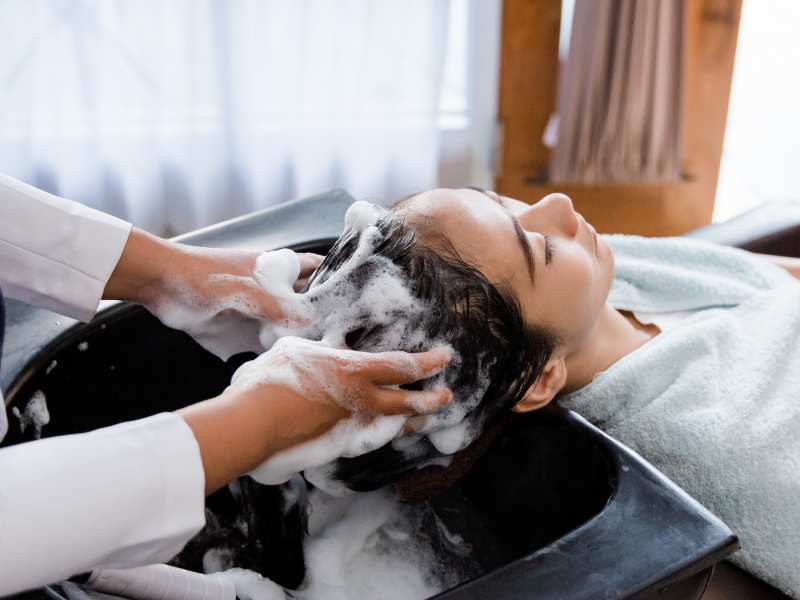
(614, 335)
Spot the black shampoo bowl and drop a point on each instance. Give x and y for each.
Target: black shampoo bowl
(557, 509)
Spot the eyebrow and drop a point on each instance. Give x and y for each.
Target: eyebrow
(524, 243)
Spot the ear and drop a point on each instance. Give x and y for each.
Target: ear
(550, 382)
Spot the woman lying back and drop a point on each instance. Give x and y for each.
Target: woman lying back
(685, 351)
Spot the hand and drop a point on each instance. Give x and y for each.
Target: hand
(298, 391)
(209, 293)
(347, 379)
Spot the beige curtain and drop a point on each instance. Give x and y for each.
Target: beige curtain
(618, 108)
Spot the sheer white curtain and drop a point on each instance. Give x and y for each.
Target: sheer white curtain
(618, 109)
(178, 113)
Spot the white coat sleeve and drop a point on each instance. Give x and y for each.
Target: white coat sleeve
(56, 253)
(122, 496)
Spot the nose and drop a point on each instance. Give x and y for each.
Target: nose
(552, 214)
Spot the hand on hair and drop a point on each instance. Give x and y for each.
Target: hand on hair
(360, 382)
(299, 390)
(210, 293)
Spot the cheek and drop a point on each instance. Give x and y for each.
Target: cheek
(582, 291)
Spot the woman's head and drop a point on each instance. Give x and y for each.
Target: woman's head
(545, 256)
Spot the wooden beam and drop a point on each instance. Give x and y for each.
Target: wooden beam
(528, 82)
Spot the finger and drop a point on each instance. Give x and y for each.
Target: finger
(300, 284)
(388, 401)
(395, 368)
(417, 424)
(308, 262)
(250, 299)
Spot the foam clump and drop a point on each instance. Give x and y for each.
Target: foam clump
(35, 414)
(362, 215)
(347, 439)
(364, 546)
(220, 327)
(276, 272)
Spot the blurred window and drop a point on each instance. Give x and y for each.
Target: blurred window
(453, 102)
(178, 114)
(761, 155)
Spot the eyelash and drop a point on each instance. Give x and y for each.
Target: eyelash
(548, 241)
(548, 249)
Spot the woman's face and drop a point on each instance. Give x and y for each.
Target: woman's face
(545, 254)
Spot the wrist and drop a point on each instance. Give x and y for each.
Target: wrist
(283, 417)
(139, 274)
(241, 428)
(232, 437)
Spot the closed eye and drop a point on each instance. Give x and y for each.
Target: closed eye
(548, 241)
(522, 237)
(548, 249)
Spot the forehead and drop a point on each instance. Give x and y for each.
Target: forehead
(455, 212)
(479, 230)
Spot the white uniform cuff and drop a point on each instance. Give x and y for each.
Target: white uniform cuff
(56, 253)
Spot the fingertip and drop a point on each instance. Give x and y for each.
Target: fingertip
(446, 396)
(445, 353)
(435, 359)
(429, 401)
(309, 261)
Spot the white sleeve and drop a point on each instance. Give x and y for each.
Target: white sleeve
(56, 253)
(122, 496)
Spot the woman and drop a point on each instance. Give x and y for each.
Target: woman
(133, 494)
(685, 351)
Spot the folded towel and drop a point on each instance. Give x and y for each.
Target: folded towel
(713, 402)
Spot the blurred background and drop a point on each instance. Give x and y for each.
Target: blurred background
(656, 116)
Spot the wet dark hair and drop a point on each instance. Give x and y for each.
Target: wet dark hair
(480, 319)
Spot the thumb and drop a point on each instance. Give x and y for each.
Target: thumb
(309, 262)
(276, 271)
